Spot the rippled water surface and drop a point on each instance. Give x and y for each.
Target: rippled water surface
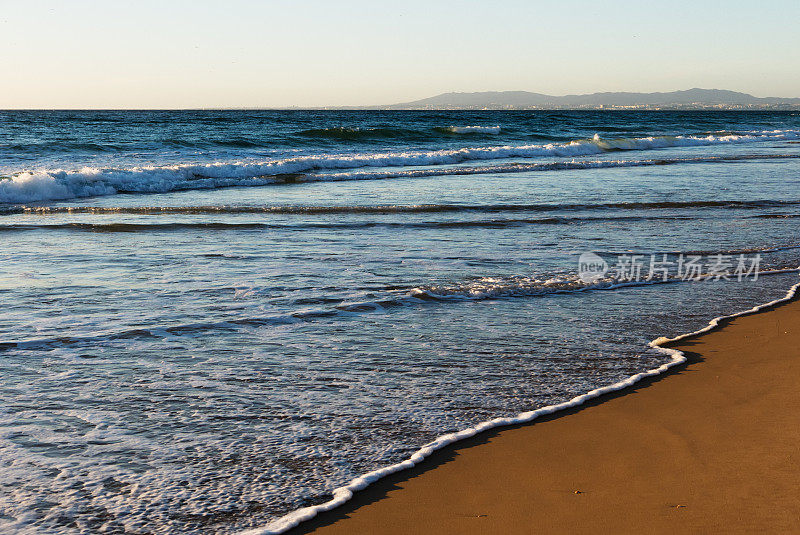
(210, 319)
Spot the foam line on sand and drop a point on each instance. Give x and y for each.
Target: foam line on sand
(343, 494)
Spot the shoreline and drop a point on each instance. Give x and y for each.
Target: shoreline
(385, 484)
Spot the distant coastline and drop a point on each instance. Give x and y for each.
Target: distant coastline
(690, 99)
(695, 99)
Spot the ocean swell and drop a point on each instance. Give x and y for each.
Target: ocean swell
(60, 184)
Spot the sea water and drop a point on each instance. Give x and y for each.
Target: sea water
(213, 318)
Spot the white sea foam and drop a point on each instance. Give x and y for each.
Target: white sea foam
(343, 494)
(60, 184)
(474, 129)
(519, 167)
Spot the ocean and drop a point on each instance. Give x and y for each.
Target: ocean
(211, 319)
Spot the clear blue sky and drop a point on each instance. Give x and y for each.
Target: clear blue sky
(169, 53)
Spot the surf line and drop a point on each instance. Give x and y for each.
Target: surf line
(343, 494)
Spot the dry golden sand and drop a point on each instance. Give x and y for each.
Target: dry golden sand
(712, 447)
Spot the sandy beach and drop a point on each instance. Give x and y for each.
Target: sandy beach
(711, 446)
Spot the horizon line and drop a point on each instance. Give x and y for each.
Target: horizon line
(377, 107)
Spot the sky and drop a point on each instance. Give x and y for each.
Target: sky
(238, 53)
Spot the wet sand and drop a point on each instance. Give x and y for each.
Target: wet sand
(712, 446)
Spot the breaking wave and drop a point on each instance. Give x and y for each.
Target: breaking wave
(49, 185)
(471, 129)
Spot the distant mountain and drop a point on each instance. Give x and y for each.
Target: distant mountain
(689, 99)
